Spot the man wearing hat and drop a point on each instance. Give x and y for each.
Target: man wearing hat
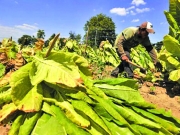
(129, 38)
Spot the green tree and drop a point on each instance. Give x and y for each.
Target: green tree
(40, 34)
(26, 40)
(99, 28)
(72, 35)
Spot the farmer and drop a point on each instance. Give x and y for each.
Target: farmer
(129, 38)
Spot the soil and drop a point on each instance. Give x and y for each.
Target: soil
(165, 95)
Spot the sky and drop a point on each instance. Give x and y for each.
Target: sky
(26, 17)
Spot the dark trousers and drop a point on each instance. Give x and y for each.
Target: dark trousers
(123, 66)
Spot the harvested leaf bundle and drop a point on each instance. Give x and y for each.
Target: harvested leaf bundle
(58, 91)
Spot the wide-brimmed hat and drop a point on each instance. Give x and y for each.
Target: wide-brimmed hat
(148, 26)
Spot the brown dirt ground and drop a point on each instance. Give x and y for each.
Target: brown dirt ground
(162, 97)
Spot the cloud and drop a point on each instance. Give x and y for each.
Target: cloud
(132, 7)
(26, 27)
(126, 11)
(135, 20)
(138, 2)
(132, 12)
(17, 31)
(138, 10)
(7, 32)
(119, 11)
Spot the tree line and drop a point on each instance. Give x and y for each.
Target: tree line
(98, 28)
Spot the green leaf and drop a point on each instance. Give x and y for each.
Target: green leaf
(174, 75)
(169, 126)
(167, 114)
(30, 102)
(69, 126)
(29, 123)
(20, 83)
(101, 111)
(95, 129)
(86, 109)
(172, 45)
(46, 107)
(146, 131)
(66, 57)
(134, 118)
(70, 112)
(116, 129)
(174, 62)
(14, 130)
(126, 94)
(107, 104)
(172, 32)
(118, 81)
(56, 73)
(44, 126)
(5, 97)
(171, 20)
(174, 9)
(81, 96)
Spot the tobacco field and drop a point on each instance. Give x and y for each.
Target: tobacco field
(67, 91)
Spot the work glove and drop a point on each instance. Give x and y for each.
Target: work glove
(125, 58)
(158, 66)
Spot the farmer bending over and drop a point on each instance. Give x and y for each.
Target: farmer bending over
(131, 37)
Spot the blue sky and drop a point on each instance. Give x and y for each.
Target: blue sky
(19, 17)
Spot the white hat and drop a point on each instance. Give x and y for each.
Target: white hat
(148, 26)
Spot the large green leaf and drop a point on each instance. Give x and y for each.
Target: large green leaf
(146, 131)
(81, 96)
(20, 82)
(174, 75)
(30, 102)
(56, 73)
(101, 111)
(117, 130)
(85, 108)
(174, 62)
(134, 118)
(125, 93)
(162, 112)
(171, 20)
(172, 31)
(118, 81)
(107, 104)
(29, 123)
(70, 112)
(67, 58)
(69, 126)
(45, 124)
(14, 130)
(172, 45)
(170, 126)
(174, 9)
(5, 97)
(27, 97)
